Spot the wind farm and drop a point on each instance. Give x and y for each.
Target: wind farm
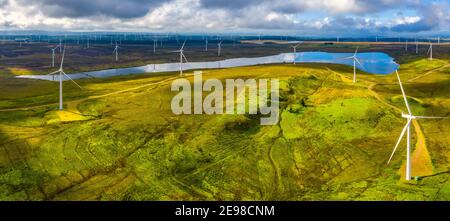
(88, 115)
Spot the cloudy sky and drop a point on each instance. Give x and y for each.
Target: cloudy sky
(276, 16)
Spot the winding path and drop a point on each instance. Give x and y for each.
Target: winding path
(428, 73)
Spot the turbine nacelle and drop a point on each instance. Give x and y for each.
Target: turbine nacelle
(408, 116)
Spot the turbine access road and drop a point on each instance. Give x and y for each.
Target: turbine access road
(421, 160)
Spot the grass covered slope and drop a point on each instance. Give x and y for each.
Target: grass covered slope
(118, 139)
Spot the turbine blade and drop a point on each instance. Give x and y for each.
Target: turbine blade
(182, 47)
(62, 59)
(399, 140)
(185, 58)
(428, 117)
(55, 72)
(71, 79)
(344, 58)
(357, 60)
(356, 51)
(403, 92)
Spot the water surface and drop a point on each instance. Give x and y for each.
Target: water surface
(372, 62)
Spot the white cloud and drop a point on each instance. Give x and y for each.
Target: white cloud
(406, 20)
(192, 15)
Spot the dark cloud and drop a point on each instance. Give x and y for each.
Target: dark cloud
(86, 8)
(413, 27)
(298, 6)
(349, 25)
(433, 17)
(230, 4)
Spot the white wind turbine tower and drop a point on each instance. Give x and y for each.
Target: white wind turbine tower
(407, 129)
(60, 45)
(430, 51)
(206, 43)
(406, 45)
(154, 45)
(21, 41)
(53, 55)
(61, 72)
(219, 48)
(355, 60)
(295, 52)
(181, 51)
(417, 46)
(116, 51)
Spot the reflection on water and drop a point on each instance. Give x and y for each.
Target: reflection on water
(373, 62)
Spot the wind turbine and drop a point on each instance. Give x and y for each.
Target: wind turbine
(116, 50)
(295, 51)
(407, 129)
(181, 51)
(61, 72)
(53, 55)
(430, 51)
(406, 45)
(21, 41)
(219, 48)
(355, 60)
(60, 45)
(206, 44)
(417, 47)
(154, 45)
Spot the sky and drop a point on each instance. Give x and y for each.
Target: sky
(312, 17)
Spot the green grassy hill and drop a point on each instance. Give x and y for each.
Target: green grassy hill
(118, 139)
